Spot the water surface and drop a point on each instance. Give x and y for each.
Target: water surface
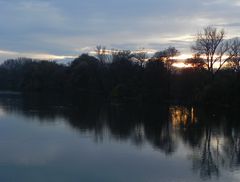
(49, 140)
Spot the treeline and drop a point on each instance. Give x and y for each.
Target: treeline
(122, 75)
(122, 79)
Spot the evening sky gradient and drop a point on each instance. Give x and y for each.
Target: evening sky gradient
(55, 29)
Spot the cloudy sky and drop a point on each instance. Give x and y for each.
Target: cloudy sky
(65, 28)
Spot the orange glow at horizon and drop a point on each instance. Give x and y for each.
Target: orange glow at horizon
(182, 65)
(183, 57)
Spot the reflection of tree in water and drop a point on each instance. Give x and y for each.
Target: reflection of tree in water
(123, 122)
(184, 120)
(215, 142)
(218, 147)
(161, 138)
(185, 123)
(214, 138)
(232, 149)
(206, 162)
(158, 130)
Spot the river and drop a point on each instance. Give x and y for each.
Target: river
(53, 141)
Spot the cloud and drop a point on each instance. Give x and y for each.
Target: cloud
(41, 56)
(70, 27)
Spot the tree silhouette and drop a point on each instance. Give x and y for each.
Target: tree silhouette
(141, 56)
(234, 50)
(167, 56)
(103, 54)
(215, 50)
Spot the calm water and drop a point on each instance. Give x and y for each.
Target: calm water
(48, 140)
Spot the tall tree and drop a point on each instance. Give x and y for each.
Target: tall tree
(210, 44)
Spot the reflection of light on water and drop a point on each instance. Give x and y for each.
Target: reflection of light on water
(139, 130)
(181, 116)
(2, 112)
(217, 143)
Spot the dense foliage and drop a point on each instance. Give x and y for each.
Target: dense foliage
(121, 80)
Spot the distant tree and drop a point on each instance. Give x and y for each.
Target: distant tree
(168, 53)
(156, 81)
(43, 76)
(124, 74)
(215, 50)
(196, 61)
(12, 73)
(13, 64)
(234, 50)
(102, 54)
(167, 56)
(85, 74)
(82, 60)
(141, 56)
(120, 55)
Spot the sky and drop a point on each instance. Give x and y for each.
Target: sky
(59, 29)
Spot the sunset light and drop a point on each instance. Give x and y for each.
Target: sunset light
(183, 56)
(181, 65)
(119, 91)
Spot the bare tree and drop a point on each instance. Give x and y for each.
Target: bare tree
(102, 54)
(208, 161)
(118, 55)
(141, 56)
(215, 50)
(234, 50)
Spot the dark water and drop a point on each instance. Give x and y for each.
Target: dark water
(49, 140)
